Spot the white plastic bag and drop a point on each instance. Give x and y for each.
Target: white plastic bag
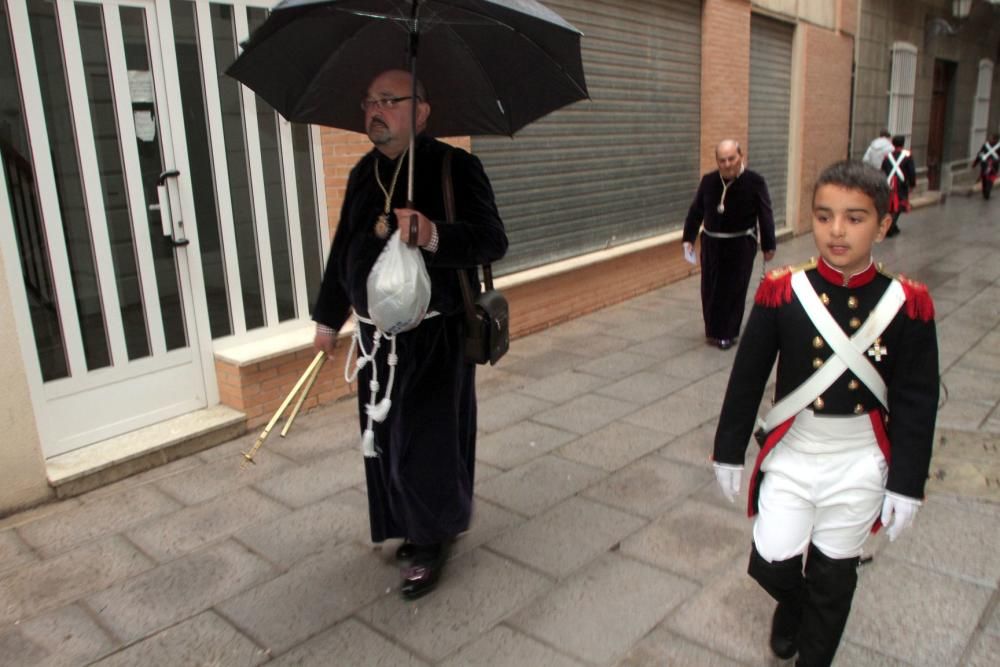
(399, 289)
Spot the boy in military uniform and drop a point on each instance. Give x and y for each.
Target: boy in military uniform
(854, 346)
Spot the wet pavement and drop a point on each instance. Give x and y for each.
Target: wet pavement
(599, 536)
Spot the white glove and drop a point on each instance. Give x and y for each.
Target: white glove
(900, 511)
(729, 478)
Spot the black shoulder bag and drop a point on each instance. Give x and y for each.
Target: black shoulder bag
(487, 317)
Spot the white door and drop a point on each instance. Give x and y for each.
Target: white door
(99, 208)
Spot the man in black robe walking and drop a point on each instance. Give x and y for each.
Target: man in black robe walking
(732, 208)
(420, 479)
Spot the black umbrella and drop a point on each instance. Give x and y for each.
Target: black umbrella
(489, 66)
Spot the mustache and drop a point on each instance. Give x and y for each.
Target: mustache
(379, 121)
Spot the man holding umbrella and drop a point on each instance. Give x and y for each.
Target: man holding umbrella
(420, 483)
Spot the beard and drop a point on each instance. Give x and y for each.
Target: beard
(379, 133)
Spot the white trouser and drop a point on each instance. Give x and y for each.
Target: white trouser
(824, 483)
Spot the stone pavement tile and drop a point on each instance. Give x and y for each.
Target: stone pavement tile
(613, 446)
(732, 614)
(969, 384)
(179, 466)
(64, 637)
(548, 363)
(694, 447)
(967, 415)
(674, 414)
(291, 537)
(485, 470)
(984, 652)
(221, 477)
(600, 613)
(353, 644)
(852, 655)
(661, 647)
(944, 306)
(563, 386)
(317, 434)
(952, 541)
(192, 528)
(667, 347)
(538, 484)
(992, 625)
(97, 517)
(967, 445)
(36, 513)
(650, 485)
(567, 536)
(578, 327)
(477, 591)
(503, 647)
(488, 521)
(914, 614)
(698, 361)
(710, 389)
(205, 639)
(301, 485)
(57, 581)
(13, 551)
(519, 443)
(618, 365)
(643, 388)
(161, 597)
(506, 410)
(638, 326)
(495, 380)
(313, 595)
(594, 345)
(585, 413)
(981, 360)
(970, 478)
(695, 541)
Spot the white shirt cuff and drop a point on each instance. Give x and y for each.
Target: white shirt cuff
(432, 245)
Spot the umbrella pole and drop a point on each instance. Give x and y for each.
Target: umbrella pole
(414, 38)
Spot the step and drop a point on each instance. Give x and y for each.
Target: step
(102, 463)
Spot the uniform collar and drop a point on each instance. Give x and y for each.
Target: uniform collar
(836, 277)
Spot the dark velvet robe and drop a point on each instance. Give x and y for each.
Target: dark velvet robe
(420, 484)
(726, 264)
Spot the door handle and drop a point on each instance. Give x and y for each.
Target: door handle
(167, 202)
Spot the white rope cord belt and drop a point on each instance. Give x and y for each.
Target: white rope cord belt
(377, 410)
(749, 231)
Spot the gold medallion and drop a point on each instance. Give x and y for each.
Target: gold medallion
(382, 227)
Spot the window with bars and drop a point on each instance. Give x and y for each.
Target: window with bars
(981, 107)
(902, 85)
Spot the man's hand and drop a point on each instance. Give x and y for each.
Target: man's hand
(325, 341)
(729, 478)
(424, 226)
(898, 513)
(768, 255)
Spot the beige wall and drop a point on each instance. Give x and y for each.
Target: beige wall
(22, 468)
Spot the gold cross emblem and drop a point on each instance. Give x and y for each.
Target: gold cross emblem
(877, 351)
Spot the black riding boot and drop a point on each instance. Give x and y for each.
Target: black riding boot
(783, 581)
(830, 584)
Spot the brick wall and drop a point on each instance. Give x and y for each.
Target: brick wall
(826, 109)
(725, 75)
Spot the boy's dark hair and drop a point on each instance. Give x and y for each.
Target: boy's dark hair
(884, 133)
(899, 141)
(855, 175)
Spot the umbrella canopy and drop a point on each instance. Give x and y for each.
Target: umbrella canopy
(489, 66)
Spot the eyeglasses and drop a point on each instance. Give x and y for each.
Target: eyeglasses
(384, 102)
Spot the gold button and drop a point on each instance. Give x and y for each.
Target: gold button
(818, 403)
(852, 302)
(859, 409)
(817, 362)
(818, 342)
(855, 323)
(853, 385)
(825, 298)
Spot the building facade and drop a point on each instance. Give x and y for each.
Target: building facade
(163, 231)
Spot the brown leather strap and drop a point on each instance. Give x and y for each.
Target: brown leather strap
(449, 212)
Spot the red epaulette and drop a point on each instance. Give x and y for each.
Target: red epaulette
(775, 289)
(919, 305)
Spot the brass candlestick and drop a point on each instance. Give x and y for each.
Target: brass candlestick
(303, 384)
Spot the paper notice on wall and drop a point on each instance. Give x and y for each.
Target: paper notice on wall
(145, 125)
(140, 86)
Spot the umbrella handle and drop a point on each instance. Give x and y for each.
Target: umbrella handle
(414, 230)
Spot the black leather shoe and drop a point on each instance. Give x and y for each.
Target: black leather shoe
(422, 576)
(406, 551)
(725, 343)
(784, 628)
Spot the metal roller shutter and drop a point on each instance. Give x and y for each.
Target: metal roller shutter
(770, 99)
(621, 166)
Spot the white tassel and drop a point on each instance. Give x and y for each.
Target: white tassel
(368, 444)
(379, 411)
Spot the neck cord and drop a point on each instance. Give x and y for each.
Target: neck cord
(721, 208)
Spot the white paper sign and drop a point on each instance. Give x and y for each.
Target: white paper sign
(145, 125)
(140, 86)
(689, 255)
